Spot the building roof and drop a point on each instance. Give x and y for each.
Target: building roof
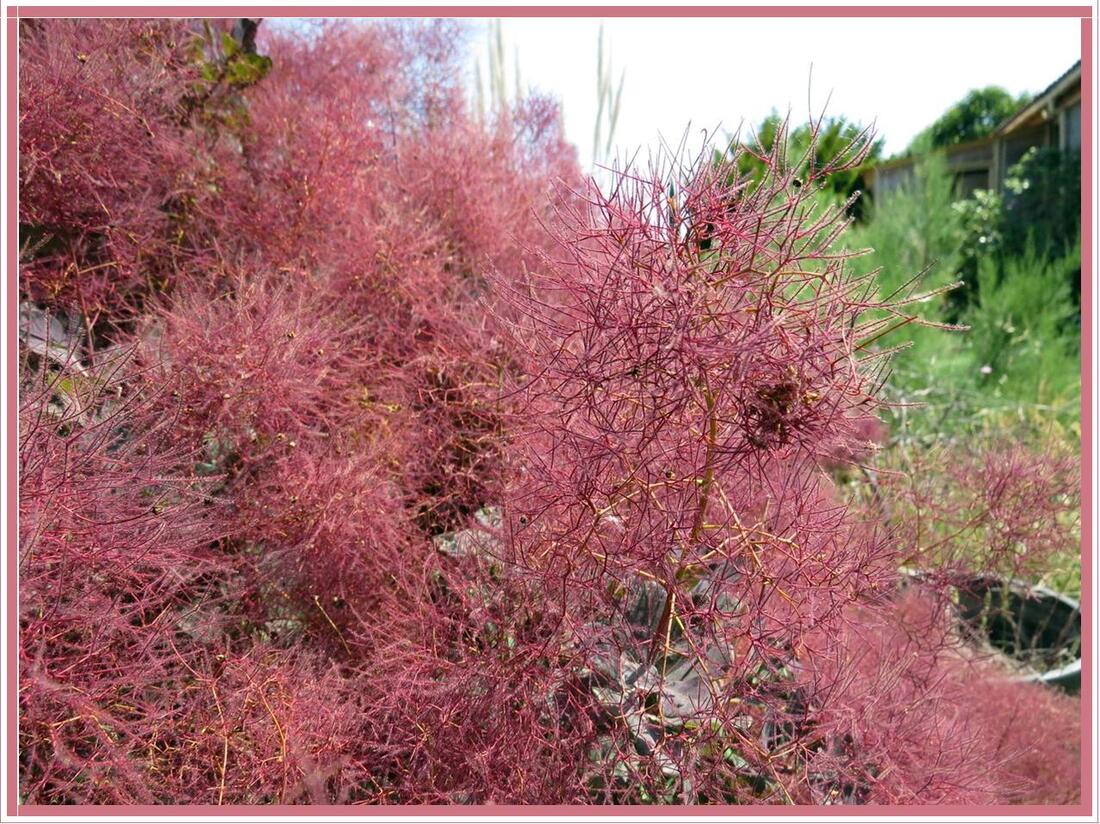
(1071, 77)
(1067, 80)
(949, 151)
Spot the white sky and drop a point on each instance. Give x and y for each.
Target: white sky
(900, 73)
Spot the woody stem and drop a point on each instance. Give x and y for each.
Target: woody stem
(663, 634)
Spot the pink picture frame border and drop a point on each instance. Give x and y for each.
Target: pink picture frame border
(1088, 228)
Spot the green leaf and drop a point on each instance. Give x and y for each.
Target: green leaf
(247, 69)
(230, 46)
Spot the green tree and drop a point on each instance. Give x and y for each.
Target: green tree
(975, 116)
(1042, 202)
(833, 139)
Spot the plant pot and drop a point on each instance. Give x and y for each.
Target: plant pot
(1035, 628)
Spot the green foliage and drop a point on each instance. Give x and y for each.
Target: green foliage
(1017, 363)
(834, 138)
(1024, 331)
(914, 228)
(975, 116)
(1014, 371)
(227, 65)
(1042, 204)
(244, 68)
(981, 219)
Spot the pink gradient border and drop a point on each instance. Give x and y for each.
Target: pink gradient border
(1087, 436)
(12, 434)
(13, 808)
(565, 11)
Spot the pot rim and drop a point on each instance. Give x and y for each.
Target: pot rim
(1021, 587)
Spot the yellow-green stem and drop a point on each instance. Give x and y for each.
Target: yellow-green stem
(662, 637)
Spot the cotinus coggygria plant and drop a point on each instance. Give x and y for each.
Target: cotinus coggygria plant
(694, 357)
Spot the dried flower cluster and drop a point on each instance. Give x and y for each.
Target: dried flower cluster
(370, 454)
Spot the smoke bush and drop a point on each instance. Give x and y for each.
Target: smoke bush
(265, 726)
(100, 149)
(992, 507)
(115, 561)
(256, 361)
(325, 538)
(886, 691)
(694, 356)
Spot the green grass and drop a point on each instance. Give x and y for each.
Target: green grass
(1015, 370)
